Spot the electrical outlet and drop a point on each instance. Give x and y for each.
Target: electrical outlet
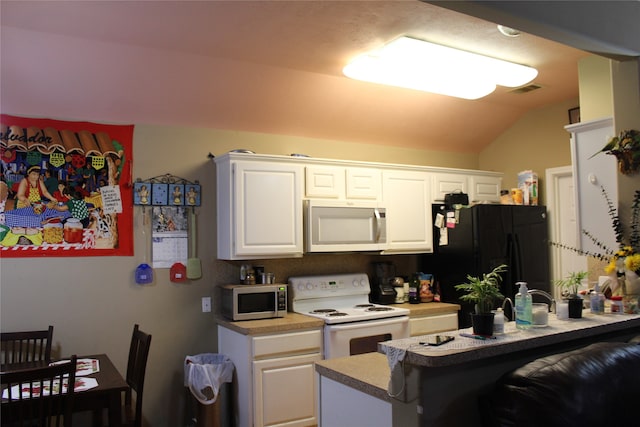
(206, 304)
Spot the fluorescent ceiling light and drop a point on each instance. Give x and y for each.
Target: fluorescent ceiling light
(420, 65)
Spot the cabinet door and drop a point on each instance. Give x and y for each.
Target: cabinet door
(340, 183)
(363, 183)
(432, 324)
(286, 391)
(324, 182)
(407, 198)
(268, 209)
(484, 188)
(444, 183)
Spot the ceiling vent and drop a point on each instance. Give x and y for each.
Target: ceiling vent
(527, 88)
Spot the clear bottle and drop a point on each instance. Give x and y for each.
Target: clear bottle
(498, 321)
(597, 300)
(414, 289)
(524, 316)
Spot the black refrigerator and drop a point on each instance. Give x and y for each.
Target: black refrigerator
(485, 236)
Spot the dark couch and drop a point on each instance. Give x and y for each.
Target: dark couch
(597, 385)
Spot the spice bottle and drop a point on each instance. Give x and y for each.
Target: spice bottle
(414, 289)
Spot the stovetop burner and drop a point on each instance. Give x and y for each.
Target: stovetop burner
(363, 305)
(339, 298)
(323, 311)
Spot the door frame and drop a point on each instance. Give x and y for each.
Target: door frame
(553, 202)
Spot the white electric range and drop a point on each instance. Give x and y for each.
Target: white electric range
(353, 325)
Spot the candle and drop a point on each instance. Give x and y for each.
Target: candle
(562, 310)
(540, 312)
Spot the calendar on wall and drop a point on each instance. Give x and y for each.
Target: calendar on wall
(169, 236)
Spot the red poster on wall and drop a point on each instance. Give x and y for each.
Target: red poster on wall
(65, 188)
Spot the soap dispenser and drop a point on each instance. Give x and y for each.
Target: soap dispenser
(524, 316)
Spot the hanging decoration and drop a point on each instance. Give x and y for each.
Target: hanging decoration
(170, 198)
(67, 182)
(166, 190)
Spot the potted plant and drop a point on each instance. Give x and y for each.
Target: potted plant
(626, 148)
(569, 286)
(483, 292)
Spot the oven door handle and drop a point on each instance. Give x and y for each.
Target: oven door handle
(369, 323)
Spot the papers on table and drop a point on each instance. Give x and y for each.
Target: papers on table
(81, 384)
(83, 367)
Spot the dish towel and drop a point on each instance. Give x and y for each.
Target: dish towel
(397, 353)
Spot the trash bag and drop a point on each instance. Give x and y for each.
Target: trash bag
(205, 373)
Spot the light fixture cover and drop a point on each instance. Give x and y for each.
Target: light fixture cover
(416, 64)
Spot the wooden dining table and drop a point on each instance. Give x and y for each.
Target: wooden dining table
(107, 395)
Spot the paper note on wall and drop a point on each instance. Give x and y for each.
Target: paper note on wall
(111, 200)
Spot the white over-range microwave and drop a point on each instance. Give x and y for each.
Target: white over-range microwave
(334, 226)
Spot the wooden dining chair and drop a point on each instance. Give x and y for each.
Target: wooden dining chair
(34, 397)
(136, 368)
(27, 346)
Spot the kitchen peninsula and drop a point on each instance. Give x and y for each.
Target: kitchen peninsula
(447, 380)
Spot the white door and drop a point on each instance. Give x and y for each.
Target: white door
(561, 205)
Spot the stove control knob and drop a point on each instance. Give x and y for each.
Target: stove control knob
(300, 286)
(309, 286)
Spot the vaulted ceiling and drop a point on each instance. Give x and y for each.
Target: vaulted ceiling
(262, 66)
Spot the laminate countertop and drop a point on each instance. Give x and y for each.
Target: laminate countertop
(368, 373)
(295, 321)
(463, 349)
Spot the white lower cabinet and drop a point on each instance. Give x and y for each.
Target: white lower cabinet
(424, 325)
(285, 391)
(275, 373)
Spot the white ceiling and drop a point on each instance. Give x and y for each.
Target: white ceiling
(261, 66)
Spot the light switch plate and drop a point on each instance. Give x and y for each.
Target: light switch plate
(206, 304)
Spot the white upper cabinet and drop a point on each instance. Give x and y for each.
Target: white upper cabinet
(407, 198)
(342, 183)
(259, 208)
(445, 183)
(481, 187)
(260, 200)
(484, 188)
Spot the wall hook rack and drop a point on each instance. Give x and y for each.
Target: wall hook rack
(166, 190)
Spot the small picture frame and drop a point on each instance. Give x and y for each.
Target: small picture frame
(574, 115)
(142, 193)
(176, 194)
(192, 194)
(159, 194)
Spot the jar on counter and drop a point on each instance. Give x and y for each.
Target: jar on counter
(616, 305)
(250, 278)
(73, 231)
